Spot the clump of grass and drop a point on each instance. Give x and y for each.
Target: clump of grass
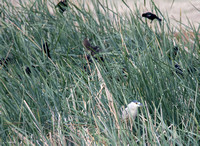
(67, 100)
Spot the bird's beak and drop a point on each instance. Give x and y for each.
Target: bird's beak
(140, 105)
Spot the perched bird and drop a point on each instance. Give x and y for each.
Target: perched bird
(172, 56)
(179, 71)
(151, 16)
(131, 110)
(62, 6)
(27, 70)
(94, 50)
(88, 46)
(46, 49)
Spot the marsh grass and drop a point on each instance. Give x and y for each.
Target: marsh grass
(67, 100)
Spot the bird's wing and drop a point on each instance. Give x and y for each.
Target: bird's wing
(125, 114)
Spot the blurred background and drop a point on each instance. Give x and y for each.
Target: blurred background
(177, 10)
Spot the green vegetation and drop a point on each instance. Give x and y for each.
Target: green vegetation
(64, 100)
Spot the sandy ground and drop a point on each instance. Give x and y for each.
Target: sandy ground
(184, 10)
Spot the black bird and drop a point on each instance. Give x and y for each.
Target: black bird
(151, 16)
(46, 49)
(179, 71)
(28, 71)
(96, 58)
(62, 5)
(88, 46)
(93, 51)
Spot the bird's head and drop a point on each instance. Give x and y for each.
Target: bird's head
(134, 104)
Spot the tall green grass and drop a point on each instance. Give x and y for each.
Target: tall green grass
(62, 103)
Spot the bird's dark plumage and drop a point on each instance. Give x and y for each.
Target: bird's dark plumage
(88, 46)
(94, 50)
(151, 16)
(179, 71)
(62, 5)
(28, 71)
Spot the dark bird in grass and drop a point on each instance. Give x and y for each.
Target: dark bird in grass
(88, 57)
(151, 16)
(172, 56)
(62, 6)
(46, 49)
(94, 50)
(28, 71)
(88, 46)
(179, 71)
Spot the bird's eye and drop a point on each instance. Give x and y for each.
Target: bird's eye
(136, 103)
